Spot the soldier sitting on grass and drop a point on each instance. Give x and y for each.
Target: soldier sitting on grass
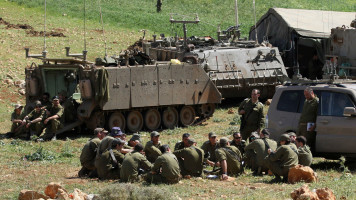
(134, 165)
(34, 120)
(305, 156)
(166, 168)
(109, 163)
(229, 158)
(191, 160)
(18, 125)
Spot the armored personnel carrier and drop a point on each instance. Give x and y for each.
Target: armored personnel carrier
(235, 66)
(342, 50)
(131, 97)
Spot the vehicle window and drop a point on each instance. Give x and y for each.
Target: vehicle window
(302, 100)
(289, 101)
(333, 103)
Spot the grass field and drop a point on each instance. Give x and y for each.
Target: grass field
(123, 20)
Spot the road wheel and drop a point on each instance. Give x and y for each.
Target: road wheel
(152, 119)
(187, 115)
(170, 117)
(97, 119)
(117, 119)
(134, 121)
(207, 110)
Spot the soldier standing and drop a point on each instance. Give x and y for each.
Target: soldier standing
(184, 143)
(132, 164)
(152, 147)
(87, 157)
(159, 5)
(281, 160)
(209, 148)
(305, 156)
(53, 121)
(68, 106)
(229, 158)
(307, 119)
(252, 118)
(260, 146)
(166, 168)
(18, 125)
(192, 159)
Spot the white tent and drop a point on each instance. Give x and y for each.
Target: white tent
(289, 29)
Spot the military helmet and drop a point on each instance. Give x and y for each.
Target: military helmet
(284, 137)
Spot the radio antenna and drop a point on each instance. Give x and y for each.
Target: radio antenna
(102, 28)
(44, 27)
(85, 42)
(254, 13)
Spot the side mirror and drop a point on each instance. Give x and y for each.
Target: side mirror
(349, 111)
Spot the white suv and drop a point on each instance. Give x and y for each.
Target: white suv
(336, 120)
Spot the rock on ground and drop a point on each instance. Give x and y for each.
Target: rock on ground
(301, 173)
(304, 193)
(30, 195)
(325, 194)
(52, 189)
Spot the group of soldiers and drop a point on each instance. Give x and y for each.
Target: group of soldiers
(46, 116)
(110, 156)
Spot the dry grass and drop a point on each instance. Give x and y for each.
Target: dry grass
(17, 173)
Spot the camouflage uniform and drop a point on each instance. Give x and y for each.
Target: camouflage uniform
(232, 156)
(309, 114)
(253, 117)
(192, 162)
(305, 156)
(38, 126)
(209, 148)
(17, 130)
(54, 124)
(258, 146)
(131, 164)
(152, 151)
(106, 167)
(168, 164)
(240, 146)
(87, 157)
(282, 160)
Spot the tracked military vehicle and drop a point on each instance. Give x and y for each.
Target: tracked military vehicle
(235, 66)
(341, 55)
(135, 97)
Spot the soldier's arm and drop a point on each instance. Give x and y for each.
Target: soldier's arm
(179, 153)
(250, 146)
(261, 117)
(145, 163)
(274, 156)
(154, 151)
(241, 107)
(204, 147)
(157, 165)
(176, 147)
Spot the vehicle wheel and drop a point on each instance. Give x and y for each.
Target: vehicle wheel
(97, 119)
(134, 121)
(207, 110)
(187, 115)
(117, 119)
(170, 117)
(152, 119)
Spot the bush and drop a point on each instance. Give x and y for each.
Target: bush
(40, 155)
(133, 192)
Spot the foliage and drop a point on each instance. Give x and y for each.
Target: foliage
(40, 155)
(138, 14)
(133, 192)
(67, 151)
(236, 120)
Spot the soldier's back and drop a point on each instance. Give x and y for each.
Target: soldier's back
(305, 156)
(89, 150)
